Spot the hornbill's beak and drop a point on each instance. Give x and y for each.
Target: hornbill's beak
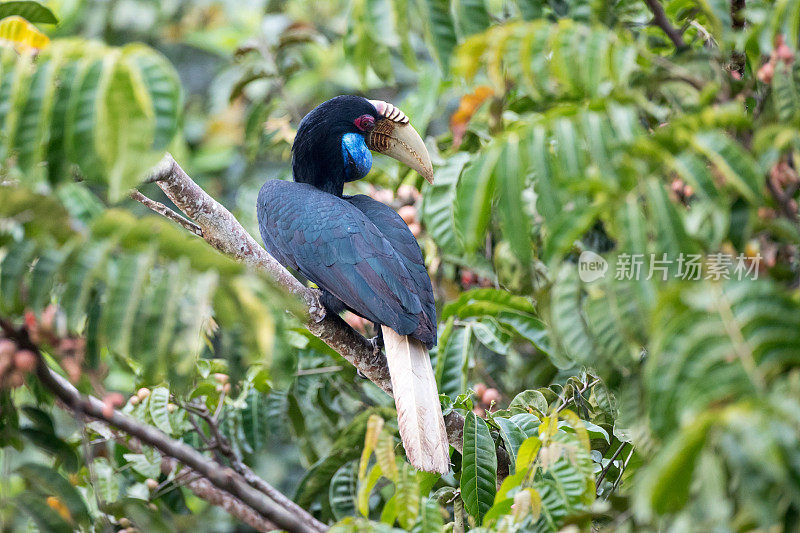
(395, 137)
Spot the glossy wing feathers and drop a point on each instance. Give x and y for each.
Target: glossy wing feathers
(336, 246)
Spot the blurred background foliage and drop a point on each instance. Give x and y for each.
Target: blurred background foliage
(555, 127)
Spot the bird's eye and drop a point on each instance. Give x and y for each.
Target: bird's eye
(365, 122)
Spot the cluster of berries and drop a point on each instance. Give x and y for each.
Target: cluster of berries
(15, 364)
(487, 399)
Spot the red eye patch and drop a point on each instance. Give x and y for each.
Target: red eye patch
(365, 122)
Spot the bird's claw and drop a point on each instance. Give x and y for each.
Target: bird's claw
(377, 345)
(316, 310)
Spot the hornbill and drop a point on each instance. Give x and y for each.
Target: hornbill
(360, 253)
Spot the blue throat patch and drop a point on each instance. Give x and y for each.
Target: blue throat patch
(357, 157)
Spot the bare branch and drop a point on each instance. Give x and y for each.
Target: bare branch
(660, 19)
(223, 479)
(165, 211)
(222, 231)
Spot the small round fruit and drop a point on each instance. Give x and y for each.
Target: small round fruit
(25, 361)
(143, 393)
(15, 380)
(7, 348)
(491, 395)
(171, 407)
(408, 213)
(220, 377)
(480, 390)
(468, 278)
(151, 483)
(124, 522)
(416, 229)
(134, 400)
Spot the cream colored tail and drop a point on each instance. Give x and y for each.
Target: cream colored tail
(419, 414)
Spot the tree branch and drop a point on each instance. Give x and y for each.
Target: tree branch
(660, 19)
(228, 483)
(222, 231)
(165, 211)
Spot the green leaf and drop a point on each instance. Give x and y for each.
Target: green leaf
(49, 482)
(255, 419)
(733, 162)
(430, 518)
(365, 487)
(31, 11)
(385, 456)
(46, 519)
(342, 491)
(159, 412)
(443, 32)
(437, 204)
(452, 359)
(474, 198)
(107, 112)
(511, 183)
(149, 467)
(407, 493)
(512, 435)
(106, 480)
(479, 467)
(529, 401)
(472, 16)
(527, 452)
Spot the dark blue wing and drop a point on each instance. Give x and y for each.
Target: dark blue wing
(336, 246)
(396, 231)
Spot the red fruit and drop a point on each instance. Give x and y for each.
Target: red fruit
(491, 395)
(784, 53)
(480, 390)
(408, 213)
(478, 410)
(416, 229)
(735, 75)
(7, 348)
(468, 278)
(25, 361)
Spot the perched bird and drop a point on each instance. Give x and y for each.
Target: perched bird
(360, 253)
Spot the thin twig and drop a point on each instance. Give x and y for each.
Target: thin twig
(660, 19)
(165, 211)
(622, 471)
(567, 401)
(224, 479)
(605, 470)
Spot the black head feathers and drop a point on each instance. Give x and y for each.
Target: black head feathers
(317, 151)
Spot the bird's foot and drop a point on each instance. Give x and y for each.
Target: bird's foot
(316, 311)
(377, 345)
(360, 374)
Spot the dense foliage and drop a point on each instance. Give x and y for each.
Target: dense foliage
(660, 393)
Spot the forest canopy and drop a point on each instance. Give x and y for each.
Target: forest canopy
(612, 234)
